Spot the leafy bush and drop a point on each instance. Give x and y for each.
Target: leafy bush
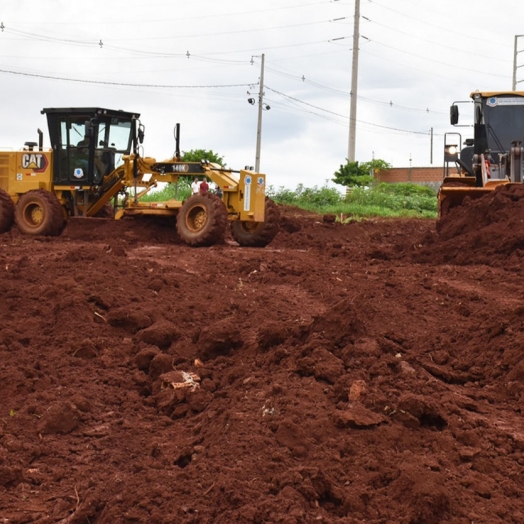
(304, 196)
(168, 192)
(358, 174)
(196, 155)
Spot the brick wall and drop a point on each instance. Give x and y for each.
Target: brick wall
(420, 175)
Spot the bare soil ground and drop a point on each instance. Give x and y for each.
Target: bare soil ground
(363, 373)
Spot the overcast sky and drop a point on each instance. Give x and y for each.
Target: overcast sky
(197, 62)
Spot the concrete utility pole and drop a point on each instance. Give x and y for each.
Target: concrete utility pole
(354, 86)
(515, 67)
(260, 107)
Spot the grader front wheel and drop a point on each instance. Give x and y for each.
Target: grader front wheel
(258, 234)
(39, 212)
(202, 220)
(7, 212)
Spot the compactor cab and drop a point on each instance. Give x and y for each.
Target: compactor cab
(494, 156)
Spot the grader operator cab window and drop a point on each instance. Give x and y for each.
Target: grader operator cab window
(89, 143)
(73, 151)
(113, 141)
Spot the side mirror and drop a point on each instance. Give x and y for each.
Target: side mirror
(454, 115)
(140, 133)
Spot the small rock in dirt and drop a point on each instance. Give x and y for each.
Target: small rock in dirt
(155, 284)
(162, 334)
(218, 339)
(10, 476)
(128, 319)
(160, 364)
(357, 389)
(406, 368)
(426, 411)
(144, 357)
(357, 417)
(60, 417)
(271, 335)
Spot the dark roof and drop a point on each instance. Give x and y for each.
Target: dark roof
(89, 110)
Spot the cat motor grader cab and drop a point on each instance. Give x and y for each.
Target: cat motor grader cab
(94, 168)
(494, 155)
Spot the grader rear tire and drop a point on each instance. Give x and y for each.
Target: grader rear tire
(258, 234)
(39, 212)
(7, 212)
(202, 220)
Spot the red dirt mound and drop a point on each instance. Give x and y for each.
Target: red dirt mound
(343, 374)
(488, 230)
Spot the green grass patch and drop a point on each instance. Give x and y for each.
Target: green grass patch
(380, 200)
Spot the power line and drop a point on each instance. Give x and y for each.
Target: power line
(165, 54)
(164, 86)
(344, 116)
(439, 44)
(37, 36)
(124, 84)
(302, 102)
(178, 20)
(403, 108)
(426, 59)
(439, 27)
(431, 73)
(343, 93)
(40, 37)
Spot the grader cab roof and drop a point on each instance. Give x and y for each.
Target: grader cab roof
(83, 119)
(94, 111)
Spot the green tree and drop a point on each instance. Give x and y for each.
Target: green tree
(355, 174)
(196, 155)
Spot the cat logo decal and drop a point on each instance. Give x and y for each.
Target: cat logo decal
(36, 161)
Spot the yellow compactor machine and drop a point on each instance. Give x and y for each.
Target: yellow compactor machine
(94, 168)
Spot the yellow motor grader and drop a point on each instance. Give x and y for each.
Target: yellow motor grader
(494, 156)
(94, 168)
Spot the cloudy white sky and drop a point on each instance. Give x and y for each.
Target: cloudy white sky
(195, 62)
